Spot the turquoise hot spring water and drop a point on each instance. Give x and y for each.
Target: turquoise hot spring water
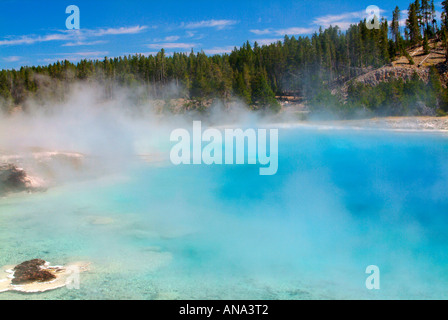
(342, 200)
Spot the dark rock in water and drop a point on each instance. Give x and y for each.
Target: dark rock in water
(14, 179)
(31, 271)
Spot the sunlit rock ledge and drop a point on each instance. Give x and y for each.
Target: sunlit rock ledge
(35, 170)
(15, 179)
(411, 124)
(58, 276)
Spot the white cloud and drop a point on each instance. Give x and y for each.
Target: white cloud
(295, 31)
(347, 17)
(343, 20)
(82, 43)
(118, 31)
(167, 39)
(171, 45)
(34, 39)
(263, 42)
(282, 32)
(218, 50)
(74, 36)
(12, 58)
(262, 32)
(91, 53)
(218, 24)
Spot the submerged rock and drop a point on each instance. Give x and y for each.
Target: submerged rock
(14, 179)
(32, 271)
(100, 221)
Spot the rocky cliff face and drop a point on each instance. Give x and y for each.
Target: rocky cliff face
(385, 74)
(401, 67)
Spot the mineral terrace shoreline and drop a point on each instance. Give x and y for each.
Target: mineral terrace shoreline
(400, 123)
(404, 124)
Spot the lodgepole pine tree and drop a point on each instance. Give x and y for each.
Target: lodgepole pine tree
(395, 28)
(413, 23)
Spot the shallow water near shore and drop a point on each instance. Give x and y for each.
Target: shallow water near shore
(341, 201)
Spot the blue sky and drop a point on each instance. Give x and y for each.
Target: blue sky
(34, 32)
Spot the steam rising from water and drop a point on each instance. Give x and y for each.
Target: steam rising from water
(341, 201)
(114, 130)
